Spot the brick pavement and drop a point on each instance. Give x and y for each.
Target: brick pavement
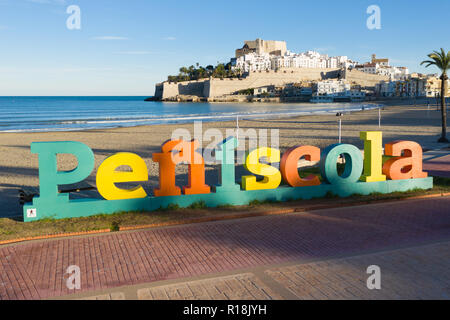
(37, 270)
(411, 273)
(438, 166)
(244, 286)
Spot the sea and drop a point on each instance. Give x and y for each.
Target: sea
(40, 114)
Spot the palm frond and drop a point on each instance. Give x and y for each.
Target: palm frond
(429, 63)
(440, 59)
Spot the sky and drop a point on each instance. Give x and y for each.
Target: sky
(124, 47)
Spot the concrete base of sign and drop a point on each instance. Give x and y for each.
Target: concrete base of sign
(89, 207)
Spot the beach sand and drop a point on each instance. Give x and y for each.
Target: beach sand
(18, 167)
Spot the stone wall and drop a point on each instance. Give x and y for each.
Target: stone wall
(167, 90)
(220, 87)
(215, 87)
(365, 80)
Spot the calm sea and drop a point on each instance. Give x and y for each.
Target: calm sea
(29, 114)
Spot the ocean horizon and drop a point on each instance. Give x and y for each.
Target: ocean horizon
(69, 113)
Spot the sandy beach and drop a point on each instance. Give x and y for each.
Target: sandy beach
(18, 167)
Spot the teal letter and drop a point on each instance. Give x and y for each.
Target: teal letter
(353, 163)
(50, 177)
(227, 169)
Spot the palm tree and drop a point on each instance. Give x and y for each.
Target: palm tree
(442, 61)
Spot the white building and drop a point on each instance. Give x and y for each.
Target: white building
(386, 89)
(335, 91)
(253, 61)
(328, 87)
(382, 67)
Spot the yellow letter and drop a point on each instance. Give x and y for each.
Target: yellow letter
(372, 156)
(107, 176)
(272, 176)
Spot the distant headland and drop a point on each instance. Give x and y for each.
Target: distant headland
(265, 71)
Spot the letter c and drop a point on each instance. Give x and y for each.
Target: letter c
(289, 162)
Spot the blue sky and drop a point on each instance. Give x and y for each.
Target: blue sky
(125, 46)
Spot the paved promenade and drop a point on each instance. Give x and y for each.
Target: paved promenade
(321, 254)
(437, 163)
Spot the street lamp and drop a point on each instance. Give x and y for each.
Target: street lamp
(339, 114)
(237, 127)
(379, 116)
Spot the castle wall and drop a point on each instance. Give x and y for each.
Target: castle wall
(366, 80)
(215, 87)
(220, 87)
(167, 90)
(159, 90)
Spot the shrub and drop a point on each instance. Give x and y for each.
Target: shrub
(198, 205)
(173, 207)
(115, 226)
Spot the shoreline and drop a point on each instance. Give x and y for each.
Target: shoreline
(84, 113)
(346, 108)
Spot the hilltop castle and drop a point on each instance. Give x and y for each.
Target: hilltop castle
(263, 63)
(258, 46)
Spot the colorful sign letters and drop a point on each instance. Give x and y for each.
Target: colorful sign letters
(362, 174)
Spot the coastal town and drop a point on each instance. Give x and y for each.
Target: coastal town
(266, 71)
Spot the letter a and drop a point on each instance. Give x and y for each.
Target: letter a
(74, 21)
(373, 21)
(406, 166)
(374, 281)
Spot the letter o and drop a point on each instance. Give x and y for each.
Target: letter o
(353, 163)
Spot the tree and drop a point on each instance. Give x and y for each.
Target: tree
(191, 72)
(199, 72)
(210, 69)
(219, 71)
(442, 61)
(183, 70)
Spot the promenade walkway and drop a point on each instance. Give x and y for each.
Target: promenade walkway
(265, 257)
(437, 163)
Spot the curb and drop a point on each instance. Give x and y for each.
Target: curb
(56, 235)
(210, 219)
(223, 218)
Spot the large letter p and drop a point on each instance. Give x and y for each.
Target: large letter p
(50, 177)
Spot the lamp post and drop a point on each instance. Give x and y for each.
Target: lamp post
(379, 117)
(237, 128)
(339, 115)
